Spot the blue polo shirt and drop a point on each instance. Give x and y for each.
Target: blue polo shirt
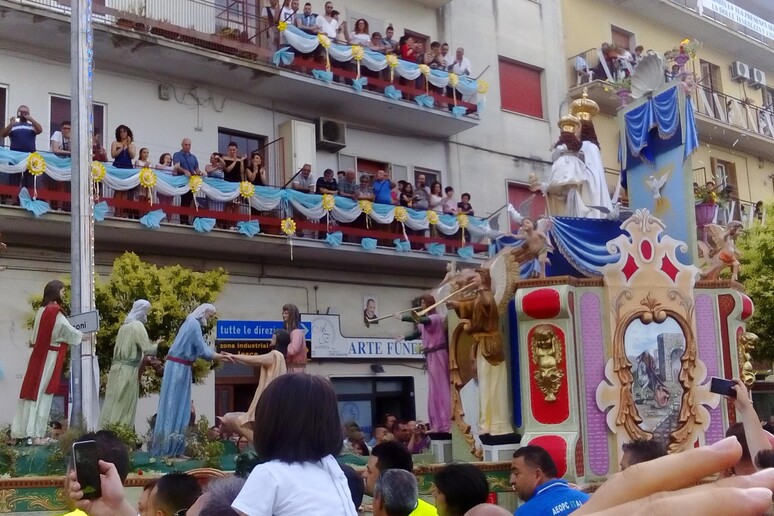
(553, 498)
(382, 191)
(186, 160)
(23, 137)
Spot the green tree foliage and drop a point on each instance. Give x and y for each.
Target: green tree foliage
(173, 292)
(757, 274)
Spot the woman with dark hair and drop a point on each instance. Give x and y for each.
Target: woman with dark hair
(459, 488)
(296, 357)
(299, 438)
(272, 366)
(361, 35)
(256, 172)
(431, 330)
(436, 196)
(123, 150)
(52, 336)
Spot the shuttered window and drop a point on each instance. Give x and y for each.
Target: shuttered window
(521, 88)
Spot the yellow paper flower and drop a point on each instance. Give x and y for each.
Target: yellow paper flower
(432, 217)
(401, 215)
(424, 69)
(357, 52)
(288, 226)
(325, 41)
(366, 206)
(148, 178)
(195, 182)
(282, 26)
(36, 164)
(328, 202)
(483, 87)
(462, 220)
(98, 171)
(686, 41)
(246, 189)
(454, 79)
(392, 60)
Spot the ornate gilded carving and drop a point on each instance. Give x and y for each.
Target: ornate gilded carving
(744, 344)
(458, 413)
(12, 500)
(546, 351)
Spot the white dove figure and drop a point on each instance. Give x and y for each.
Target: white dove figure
(517, 216)
(655, 185)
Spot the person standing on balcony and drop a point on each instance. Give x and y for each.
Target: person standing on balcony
(461, 64)
(304, 181)
(22, 130)
(383, 188)
(288, 11)
(388, 40)
(360, 36)
(448, 59)
(187, 165)
(60, 140)
(327, 23)
(421, 194)
(307, 21)
(123, 152)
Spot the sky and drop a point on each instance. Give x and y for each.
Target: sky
(640, 337)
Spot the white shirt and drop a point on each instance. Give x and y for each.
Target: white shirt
(448, 60)
(461, 68)
(288, 15)
(57, 137)
(360, 39)
(328, 27)
(279, 489)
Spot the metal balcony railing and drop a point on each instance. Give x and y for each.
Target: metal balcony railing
(735, 112)
(233, 27)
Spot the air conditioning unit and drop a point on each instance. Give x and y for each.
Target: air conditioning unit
(331, 135)
(757, 79)
(740, 71)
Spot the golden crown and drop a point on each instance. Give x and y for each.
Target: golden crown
(584, 108)
(568, 124)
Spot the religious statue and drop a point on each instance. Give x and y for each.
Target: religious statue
(175, 399)
(594, 191)
(744, 344)
(722, 252)
(479, 316)
(546, 352)
(53, 334)
(123, 385)
(532, 253)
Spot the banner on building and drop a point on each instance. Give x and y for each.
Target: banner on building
(738, 15)
(328, 342)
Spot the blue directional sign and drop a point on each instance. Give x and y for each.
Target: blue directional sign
(251, 330)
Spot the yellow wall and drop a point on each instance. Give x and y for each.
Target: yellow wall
(587, 24)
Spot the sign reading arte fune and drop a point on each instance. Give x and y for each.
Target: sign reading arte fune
(323, 336)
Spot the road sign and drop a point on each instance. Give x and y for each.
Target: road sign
(86, 322)
(252, 330)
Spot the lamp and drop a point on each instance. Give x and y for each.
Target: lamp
(377, 368)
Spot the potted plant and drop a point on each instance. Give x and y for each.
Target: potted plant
(708, 198)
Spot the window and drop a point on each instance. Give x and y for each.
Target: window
(768, 99)
(60, 112)
(710, 75)
(622, 38)
(3, 106)
(246, 143)
(521, 88)
(518, 194)
(430, 175)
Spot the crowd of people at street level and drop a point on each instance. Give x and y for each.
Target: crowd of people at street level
(301, 434)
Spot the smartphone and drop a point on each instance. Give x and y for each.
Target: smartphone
(722, 386)
(86, 460)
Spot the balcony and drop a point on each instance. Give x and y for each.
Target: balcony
(734, 123)
(181, 232)
(718, 31)
(585, 72)
(197, 42)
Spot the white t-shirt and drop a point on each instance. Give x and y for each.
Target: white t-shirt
(279, 489)
(328, 27)
(288, 15)
(57, 137)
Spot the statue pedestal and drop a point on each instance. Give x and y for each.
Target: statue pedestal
(499, 452)
(442, 450)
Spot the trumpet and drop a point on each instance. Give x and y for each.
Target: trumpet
(369, 322)
(417, 314)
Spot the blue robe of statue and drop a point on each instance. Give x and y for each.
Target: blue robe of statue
(175, 401)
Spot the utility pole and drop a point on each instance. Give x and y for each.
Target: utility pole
(82, 222)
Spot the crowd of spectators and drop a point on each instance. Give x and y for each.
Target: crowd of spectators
(412, 435)
(235, 166)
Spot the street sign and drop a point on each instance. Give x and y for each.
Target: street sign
(86, 322)
(251, 330)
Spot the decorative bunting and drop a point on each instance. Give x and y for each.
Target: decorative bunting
(152, 220)
(248, 227)
(34, 206)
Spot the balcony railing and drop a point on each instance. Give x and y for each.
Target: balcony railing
(232, 27)
(726, 22)
(735, 112)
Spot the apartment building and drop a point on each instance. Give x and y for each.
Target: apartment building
(204, 70)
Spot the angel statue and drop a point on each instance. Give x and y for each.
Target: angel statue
(721, 252)
(531, 253)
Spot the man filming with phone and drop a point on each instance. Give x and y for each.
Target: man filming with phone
(22, 130)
